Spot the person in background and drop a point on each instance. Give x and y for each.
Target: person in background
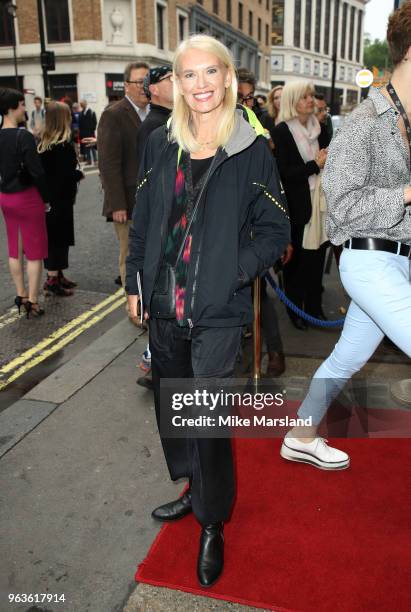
(87, 128)
(246, 96)
(212, 156)
(261, 100)
(322, 114)
(158, 88)
(23, 196)
(75, 126)
(37, 118)
(367, 184)
(274, 103)
(59, 161)
(117, 137)
(301, 151)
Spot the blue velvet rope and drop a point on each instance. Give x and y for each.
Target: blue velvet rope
(298, 311)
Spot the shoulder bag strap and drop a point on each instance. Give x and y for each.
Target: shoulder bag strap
(394, 97)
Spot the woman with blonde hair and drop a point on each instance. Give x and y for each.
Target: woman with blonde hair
(301, 151)
(274, 103)
(206, 180)
(60, 165)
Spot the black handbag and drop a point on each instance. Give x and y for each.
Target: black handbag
(163, 300)
(23, 175)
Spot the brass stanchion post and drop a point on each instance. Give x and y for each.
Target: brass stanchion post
(257, 331)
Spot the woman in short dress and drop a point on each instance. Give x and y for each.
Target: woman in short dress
(23, 194)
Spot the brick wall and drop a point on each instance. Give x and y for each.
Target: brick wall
(87, 19)
(27, 22)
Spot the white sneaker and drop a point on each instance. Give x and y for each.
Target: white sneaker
(316, 453)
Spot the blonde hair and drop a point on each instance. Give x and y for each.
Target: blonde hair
(292, 94)
(272, 110)
(57, 128)
(182, 126)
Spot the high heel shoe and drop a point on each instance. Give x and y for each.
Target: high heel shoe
(19, 301)
(29, 306)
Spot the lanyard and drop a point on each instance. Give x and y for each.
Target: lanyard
(398, 104)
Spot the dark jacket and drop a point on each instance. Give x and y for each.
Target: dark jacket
(118, 161)
(17, 146)
(242, 194)
(60, 166)
(295, 172)
(157, 116)
(87, 123)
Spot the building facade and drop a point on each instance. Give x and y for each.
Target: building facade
(306, 34)
(93, 40)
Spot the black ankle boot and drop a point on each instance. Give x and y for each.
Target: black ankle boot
(174, 510)
(211, 556)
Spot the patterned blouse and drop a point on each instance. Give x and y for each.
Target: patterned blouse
(187, 187)
(367, 169)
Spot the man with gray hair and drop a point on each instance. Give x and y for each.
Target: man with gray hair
(117, 137)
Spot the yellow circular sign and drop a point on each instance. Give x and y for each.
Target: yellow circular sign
(364, 78)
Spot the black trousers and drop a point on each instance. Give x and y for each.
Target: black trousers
(208, 352)
(304, 273)
(57, 258)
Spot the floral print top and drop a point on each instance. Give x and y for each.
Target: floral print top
(189, 181)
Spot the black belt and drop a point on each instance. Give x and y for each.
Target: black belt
(379, 244)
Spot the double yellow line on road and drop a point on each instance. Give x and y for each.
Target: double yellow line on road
(58, 339)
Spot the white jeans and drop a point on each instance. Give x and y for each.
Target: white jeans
(379, 286)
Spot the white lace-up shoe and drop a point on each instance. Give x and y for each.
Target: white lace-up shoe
(316, 453)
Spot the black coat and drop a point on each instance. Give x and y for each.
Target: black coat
(295, 172)
(87, 123)
(157, 116)
(60, 166)
(238, 199)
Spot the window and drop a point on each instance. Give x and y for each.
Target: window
(307, 65)
(6, 25)
(327, 27)
(240, 15)
(182, 27)
(215, 7)
(318, 9)
(351, 41)
(344, 29)
(259, 29)
(267, 5)
(277, 23)
(160, 10)
(57, 21)
(297, 23)
(307, 38)
(336, 23)
(342, 73)
(296, 63)
(267, 34)
(317, 68)
(326, 71)
(250, 23)
(359, 36)
(229, 17)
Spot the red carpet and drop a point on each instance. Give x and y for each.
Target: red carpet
(302, 539)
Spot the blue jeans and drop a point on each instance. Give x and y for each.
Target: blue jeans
(379, 286)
